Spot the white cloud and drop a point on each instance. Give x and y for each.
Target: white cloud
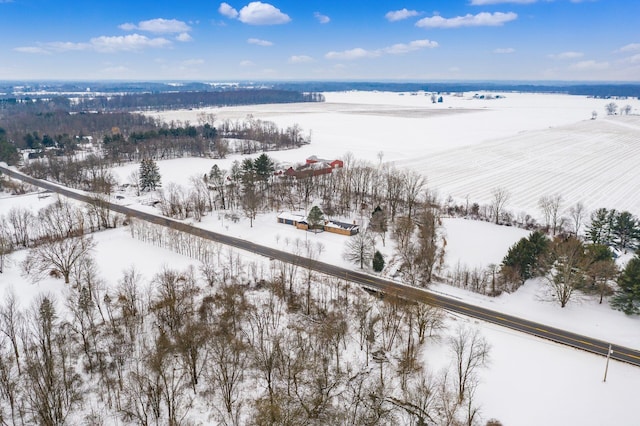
(246, 63)
(130, 42)
(192, 62)
(399, 15)
(635, 59)
(323, 19)
(567, 55)
(258, 13)
(65, 46)
(357, 53)
(103, 44)
(483, 19)
(226, 10)
(32, 49)
(590, 65)
(300, 59)
(488, 2)
(401, 48)
(184, 37)
(632, 47)
(259, 42)
(158, 26)
(128, 26)
(504, 50)
(118, 69)
(396, 49)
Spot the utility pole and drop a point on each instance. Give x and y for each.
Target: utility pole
(606, 368)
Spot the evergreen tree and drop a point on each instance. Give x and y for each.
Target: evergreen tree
(264, 168)
(248, 174)
(149, 175)
(378, 261)
(625, 230)
(627, 297)
(315, 217)
(597, 230)
(524, 258)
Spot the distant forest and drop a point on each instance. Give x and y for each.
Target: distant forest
(600, 90)
(45, 102)
(303, 89)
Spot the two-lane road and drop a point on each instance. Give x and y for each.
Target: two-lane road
(574, 340)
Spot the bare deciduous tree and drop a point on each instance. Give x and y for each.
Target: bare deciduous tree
(611, 108)
(500, 196)
(52, 383)
(6, 245)
(56, 255)
(414, 184)
(577, 213)
(470, 352)
(568, 262)
(360, 248)
(550, 206)
(21, 221)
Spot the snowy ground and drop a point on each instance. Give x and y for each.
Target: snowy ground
(530, 144)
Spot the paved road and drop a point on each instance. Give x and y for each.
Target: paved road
(589, 344)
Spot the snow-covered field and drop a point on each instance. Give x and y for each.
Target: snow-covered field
(530, 144)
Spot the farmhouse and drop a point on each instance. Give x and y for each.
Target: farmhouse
(313, 166)
(300, 222)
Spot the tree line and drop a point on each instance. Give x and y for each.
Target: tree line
(571, 262)
(157, 100)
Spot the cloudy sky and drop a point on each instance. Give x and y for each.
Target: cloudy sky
(321, 40)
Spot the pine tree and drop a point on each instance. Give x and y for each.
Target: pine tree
(627, 297)
(597, 230)
(264, 168)
(626, 230)
(149, 175)
(524, 258)
(315, 217)
(378, 261)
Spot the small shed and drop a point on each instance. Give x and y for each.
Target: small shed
(342, 228)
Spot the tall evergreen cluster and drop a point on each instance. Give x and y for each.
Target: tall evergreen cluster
(627, 297)
(523, 260)
(149, 175)
(615, 229)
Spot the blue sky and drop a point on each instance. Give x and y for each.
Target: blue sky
(569, 40)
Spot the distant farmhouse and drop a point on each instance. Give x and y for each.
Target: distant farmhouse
(300, 222)
(313, 166)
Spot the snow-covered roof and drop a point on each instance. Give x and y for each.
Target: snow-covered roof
(292, 216)
(341, 225)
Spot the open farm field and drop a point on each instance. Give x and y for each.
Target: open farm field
(530, 144)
